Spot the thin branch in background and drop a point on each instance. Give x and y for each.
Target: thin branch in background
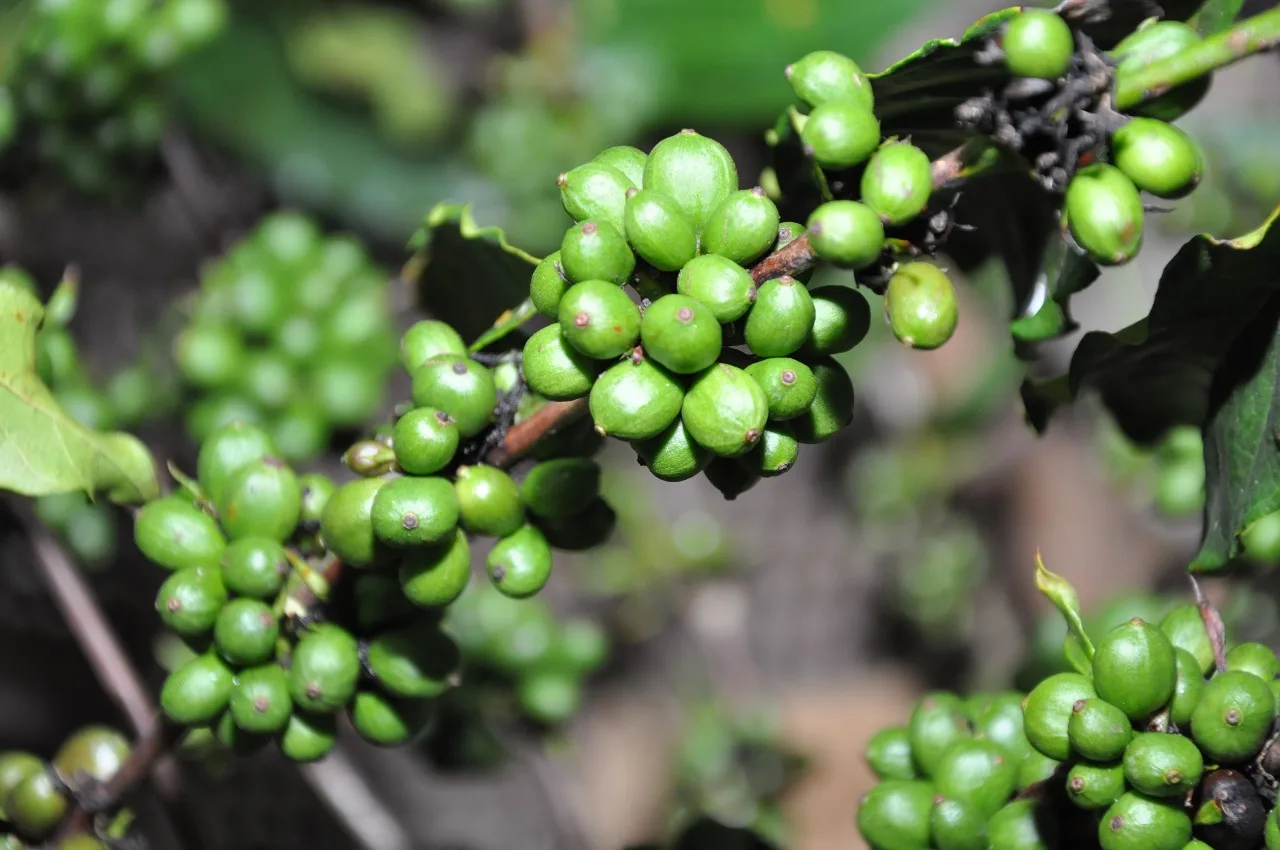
(342, 787)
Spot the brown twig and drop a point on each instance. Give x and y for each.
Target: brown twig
(1213, 626)
(522, 437)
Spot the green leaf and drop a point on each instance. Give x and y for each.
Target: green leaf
(1059, 591)
(464, 270)
(44, 451)
(1216, 15)
(1159, 372)
(1241, 453)
(1108, 21)
(507, 323)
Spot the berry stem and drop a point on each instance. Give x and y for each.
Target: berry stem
(1250, 36)
(523, 436)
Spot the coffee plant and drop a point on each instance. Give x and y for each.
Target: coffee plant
(699, 319)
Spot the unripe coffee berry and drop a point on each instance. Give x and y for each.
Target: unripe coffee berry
(414, 511)
(1134, 669)
(520, 563)
(789, 386)
(488, 501)
(1047, 712)
(841, 320)
(696, 172)
(599, 319)
(722, 285)
(460, 387)
(1159, 158)
(554, 369)
(673, 455)
(324, 669)
(825, 75)
(626, 159)
(840, 134)
(897, 182)
(1233, 718)
(424, 440)
(895, 813)
(1105, 214)
(680, 333)
(594, 191)
(781, 319)
(635, 400)
(1038, 43)
(832, 408)
(920, 302)
(596, 250)
(1138, 822)
(547, 285)
(846, 233)
(725, 410)
(743, 227)
(659, 231)
(435, 576)
(427, 339)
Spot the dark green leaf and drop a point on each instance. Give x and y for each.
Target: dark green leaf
(1217, 15)
(1241, 452)
(467, 271)
(1164, 370)
(1047, 316)
(43, 451)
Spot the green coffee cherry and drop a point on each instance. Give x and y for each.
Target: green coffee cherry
(226, 451)
(414, 662)
(1094, 786)
(547, 285)
(776, 452)
(1000, 722)
(324, 669)
(428, 339)
(955, 825)
(1256, 658)
(1158, 157)
(898, 182)
(696, 172)
(1149, 44)
(1162, 765)
(673, 455)
(1188, 690)
(232, 739)
(209, 355)
(582, 647)
(1023, 825)
(16, 766)
(388, 722)
(260, 699)
(555, 369)
(1134, 669)
(488, 501)
(681, 334)
(788, 232)
(561, 488)
(976, 772)
(596, 250)
(888, 754)
(190, 599)
(425, 440)
(308, 737)
(781, 319)
(549, 696)
(460, 387)
(921, 305)
(594, 191)
(246, 632)
(789, 386)
(1036, 768)
(197, 690)
(599, 319)
(841, 320)
(722, 285)
(435, 576)
(742, 227)
(937, 721)
(255, 567)
(369, 458)
(895, 814)
(635, 400)
(1137, 822)
(725, 410)
(263, 499)
(1038, 44)
(346, 526)
(1233, 718)
(840, 134)
(846, 233)
(174, 533)
(1098, 731)
(659, 231)
(1047, 712)
(825, 75)
(520, 563)
(1260, 539)
(832, 408)
(414, 511)
(36, 806)
(93, 751)
(627, 159)
(730, 477)
(1104, 213)
(1185, 629)
(317, 488)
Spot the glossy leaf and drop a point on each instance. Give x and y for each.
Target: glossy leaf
(1168, 368)
(1217, 15)
(464, 270)
(43, 451)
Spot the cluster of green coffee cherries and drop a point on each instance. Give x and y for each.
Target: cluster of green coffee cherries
(241, 543)
(1103, 209)
(523, 643)
(83, 96)
(35, 794)
(894, 180)
(291, 330)
(705, 371)
(1153, 748)
(1171, 474)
